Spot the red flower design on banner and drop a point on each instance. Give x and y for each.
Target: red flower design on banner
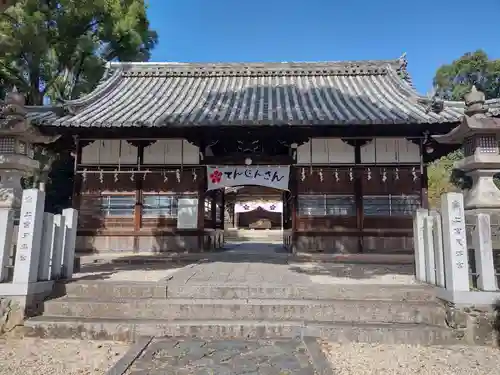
(216, 176)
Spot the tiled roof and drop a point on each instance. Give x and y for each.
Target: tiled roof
(324, 93)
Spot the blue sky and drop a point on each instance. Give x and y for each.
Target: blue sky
(432, 33)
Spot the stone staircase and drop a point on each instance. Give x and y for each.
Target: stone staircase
(125, 310)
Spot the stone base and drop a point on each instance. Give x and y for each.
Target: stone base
(211, 240)
(11, 314)
(349, 244)
(18, 302)
(475, 325)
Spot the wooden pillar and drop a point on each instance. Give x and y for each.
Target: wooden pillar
(213, 213)
(201, 207)
(138, 189)
(424, 198)
(294, 188)
(223, 209)
(77, 179)
(358, 194)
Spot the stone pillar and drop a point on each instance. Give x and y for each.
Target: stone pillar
(483, 252)
(58, 249)
(47, 246)
(29, 237)
(454, 242)
(438, 248)
(418, 243)
(430, 264)
(6, 233)
(70, 225)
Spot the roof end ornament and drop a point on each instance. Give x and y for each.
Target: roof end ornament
(402, 59)
(435, 103)
(402, 70)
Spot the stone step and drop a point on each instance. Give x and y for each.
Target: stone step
(109, 290)
(131, 259)
(131, 329)
(253, 309)
(309, 292)
(106, 290)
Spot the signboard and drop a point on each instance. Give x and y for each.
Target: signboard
(187, 213)
(227, 176)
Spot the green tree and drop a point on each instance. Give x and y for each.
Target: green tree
(454, 80)
(439, 175)
(57, 49)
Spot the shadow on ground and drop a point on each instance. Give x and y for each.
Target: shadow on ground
(235, 256)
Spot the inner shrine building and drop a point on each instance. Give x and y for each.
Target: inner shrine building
(168, 155)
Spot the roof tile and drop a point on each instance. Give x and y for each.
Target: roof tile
(325, 93)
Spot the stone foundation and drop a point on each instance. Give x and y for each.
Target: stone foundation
(18, 302)
(475, 325)
(349, 244)
(14, 310)
(11, 314)
(211, 240)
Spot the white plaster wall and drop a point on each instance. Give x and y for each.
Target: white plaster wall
(409, 152)
(172, 151)
(107, 151)
(325, 151)
(390, 150)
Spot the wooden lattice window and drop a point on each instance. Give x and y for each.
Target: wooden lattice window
(390, 205)
(160, 205)
(326, 205)
(117, 205)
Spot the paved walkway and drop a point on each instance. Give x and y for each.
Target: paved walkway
(224, 357)
(265, 264)
(244, 263)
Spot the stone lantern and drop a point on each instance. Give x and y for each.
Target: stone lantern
(17, 139)
(480, 135)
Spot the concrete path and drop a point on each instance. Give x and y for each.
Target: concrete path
(223, 357)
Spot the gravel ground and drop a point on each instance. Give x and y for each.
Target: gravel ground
(58, 357)
(371, 359)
